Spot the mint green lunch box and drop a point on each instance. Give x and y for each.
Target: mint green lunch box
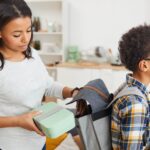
(54, 119)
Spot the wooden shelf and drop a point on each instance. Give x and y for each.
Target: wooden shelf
(91, 65)
(40, 52)
(47, 33)
(53, 15)
(41, 1)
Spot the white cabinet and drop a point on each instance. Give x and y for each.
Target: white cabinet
(105, 75)
(111, 78)
(79, 77)
(73, 77)
(53, 15)
(52, 71)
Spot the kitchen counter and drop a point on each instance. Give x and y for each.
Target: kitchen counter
(89, 65)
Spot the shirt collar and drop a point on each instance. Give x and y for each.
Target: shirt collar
(133, 82)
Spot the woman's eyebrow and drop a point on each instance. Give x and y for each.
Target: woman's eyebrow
(21, 30)
(16, 31)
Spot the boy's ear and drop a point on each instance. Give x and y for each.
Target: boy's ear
(144, 65)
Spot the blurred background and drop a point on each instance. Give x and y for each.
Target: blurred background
(78, 39)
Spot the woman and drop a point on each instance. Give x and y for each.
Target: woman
(23, 80)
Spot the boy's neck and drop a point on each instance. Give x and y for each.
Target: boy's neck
(142, 77)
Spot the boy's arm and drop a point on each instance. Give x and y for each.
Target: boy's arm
(133, 123)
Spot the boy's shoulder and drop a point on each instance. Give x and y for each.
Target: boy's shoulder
(130, 96)
(128, 102)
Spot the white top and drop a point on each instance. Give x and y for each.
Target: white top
(22, 86)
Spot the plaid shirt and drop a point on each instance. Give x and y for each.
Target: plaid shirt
(130, 119)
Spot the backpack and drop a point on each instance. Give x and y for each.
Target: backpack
(93, 122)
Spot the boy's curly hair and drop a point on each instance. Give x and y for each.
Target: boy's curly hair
(134, 46)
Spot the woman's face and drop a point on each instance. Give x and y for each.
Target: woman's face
(16, 34)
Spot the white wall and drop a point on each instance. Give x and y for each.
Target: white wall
(148, 11)
(102, 22)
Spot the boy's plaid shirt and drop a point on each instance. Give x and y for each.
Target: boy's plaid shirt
(130, 119)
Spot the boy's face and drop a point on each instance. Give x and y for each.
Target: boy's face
(147, 64)
(143, 72)
(148, 59)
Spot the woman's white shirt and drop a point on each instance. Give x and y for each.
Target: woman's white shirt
(22, 87)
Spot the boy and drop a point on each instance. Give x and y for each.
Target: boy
(130, 116)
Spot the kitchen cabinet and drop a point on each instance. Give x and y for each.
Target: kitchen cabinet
(52, 72)
(73, 77)
(111, 78)
(78, 76)
(52, 36)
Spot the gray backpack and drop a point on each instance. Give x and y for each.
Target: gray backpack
(94, 126)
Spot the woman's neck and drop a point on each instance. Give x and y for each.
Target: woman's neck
(12, 55)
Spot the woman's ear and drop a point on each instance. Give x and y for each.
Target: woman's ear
(144, 65)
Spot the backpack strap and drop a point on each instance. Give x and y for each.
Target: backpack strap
(130, 91)
(125, 90)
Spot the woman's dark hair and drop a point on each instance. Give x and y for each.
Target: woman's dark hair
(134, 46)
(9, 10)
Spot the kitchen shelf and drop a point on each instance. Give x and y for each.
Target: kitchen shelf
(41, 1)
(53, 16)
(48, 33)
(40, 52)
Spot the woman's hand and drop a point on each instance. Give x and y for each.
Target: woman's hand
(26, 121)
(75, 91)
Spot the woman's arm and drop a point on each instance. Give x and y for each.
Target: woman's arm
(8, 122)
(67, 92)
(24, 121)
